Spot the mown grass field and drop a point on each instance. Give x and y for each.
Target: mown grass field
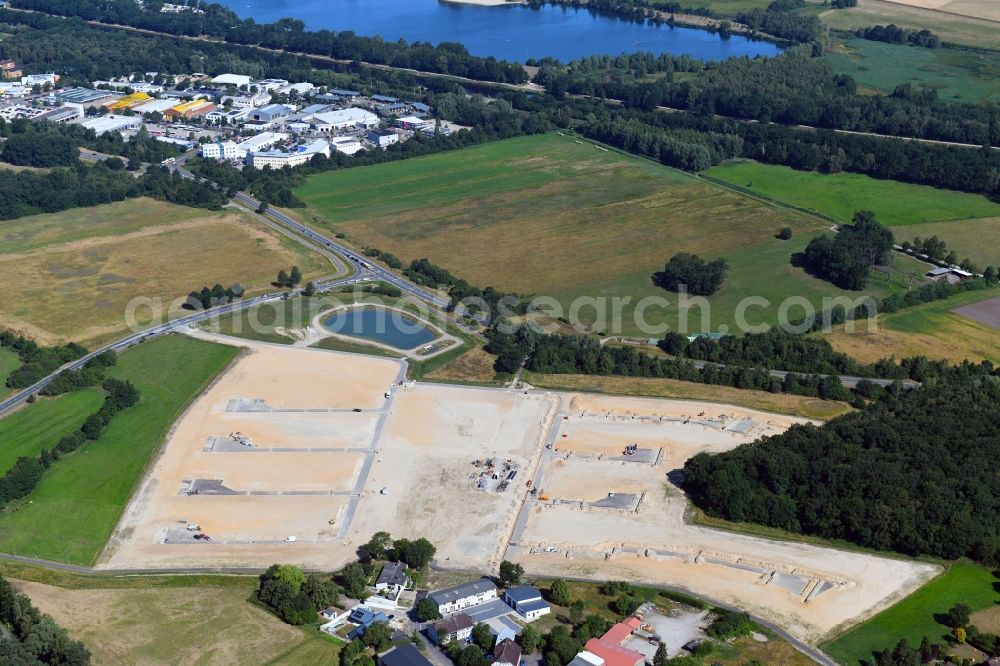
(914, 617)
(40, 425)
(931, 330)
(552, 215)
(965, 30)
(979, 239)
(956, 75)
(197, 619)
(9, 362)
(840, 195)
(71, 275)
(75, 507)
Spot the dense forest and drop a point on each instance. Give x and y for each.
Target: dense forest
(914, 472)
(34, 638)
(286, 34)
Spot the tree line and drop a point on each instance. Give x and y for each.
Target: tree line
(26, 472)
(33, 637)
(912, 472)
(893, 34)
(210, 298)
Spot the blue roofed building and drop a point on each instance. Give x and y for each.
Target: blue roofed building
(527, 601)
(364, 618)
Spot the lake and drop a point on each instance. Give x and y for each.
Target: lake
(514, 32)
(390, 327)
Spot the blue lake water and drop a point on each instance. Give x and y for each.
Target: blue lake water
(514, 32)
(389, 327)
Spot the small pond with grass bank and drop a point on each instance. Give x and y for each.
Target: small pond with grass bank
(387, 326)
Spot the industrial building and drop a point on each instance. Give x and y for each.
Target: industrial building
(232, 80)
(128, 101)
(344, 119)
(156, 106)
(346, 144)
(230, 150)
(247, 101)
(453, 599)
(112, 123)
(383, 138)
(86, 96)
(271, 112)
(193, 109)
(279, 159)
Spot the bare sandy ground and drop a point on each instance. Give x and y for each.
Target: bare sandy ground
(808, 590)
(410, 471)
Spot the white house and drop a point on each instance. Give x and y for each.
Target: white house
(527, 601)
(346, 144)
(453, 599)
(383, 138)
(458, 627)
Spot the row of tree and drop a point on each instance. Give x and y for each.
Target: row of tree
(31, 637)
(893, 34)
(26, 472)
(210, 298)
(911, 472)
(36, 361)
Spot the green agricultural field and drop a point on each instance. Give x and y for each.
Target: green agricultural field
(40, 425)
(951, 27)
(977, 239)
(913, 618)
(9, 362)
(75, 507)
(955, 74)
(553, 215)
(930, 330)
(840, 195)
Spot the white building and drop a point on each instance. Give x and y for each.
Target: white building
(587, 659)
(156, 105)
(383, 138)
(280, 160)
(453, 599)
(300, 88)
(527, 601)
(113, 123)
(13, 89)
(346, 144)
(268, 85)
(231, 150)
(39, 79)
(232, 80)
(231, 116)
(344, 119)
(248, 101)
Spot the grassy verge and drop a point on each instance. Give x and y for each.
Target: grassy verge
(169, 619)
(840, 195)
(9, 361)
(75, 507)
(812, 408)
(915, 617)
(40, 425)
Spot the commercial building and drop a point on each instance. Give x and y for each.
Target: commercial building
(12, 89)
(412, 123)
(403, 655)
(950, 275)
(192, 109)
(453, 599)
(293, 158)
(40, 79)
(298, 88)
(128, 101)
(527, 601)
(383, 138)
(352, 118)
(586, 659)
(228, 117)
(86, 96)
(346, 144)
(231, 150)
(232, 80)
(247, 101)
(61, 115)
(458, 627)
(113, 123)
(271, 112)
(270, 84)
(156, 106)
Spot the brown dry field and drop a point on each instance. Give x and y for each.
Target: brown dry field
(952, 27)
(78, 287)
(183, 626)
(987, 620)
(475, 365)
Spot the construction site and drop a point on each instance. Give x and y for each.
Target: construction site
(300, 455)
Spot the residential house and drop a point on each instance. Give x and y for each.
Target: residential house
(364, 618)
(406, 654)
(506, 653)
(458, 627)
(453, 599)
(392, 579)
(609, 646)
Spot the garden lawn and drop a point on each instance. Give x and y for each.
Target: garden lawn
(41, 425)
(840, 195)
(914, 617)
(75, 507)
